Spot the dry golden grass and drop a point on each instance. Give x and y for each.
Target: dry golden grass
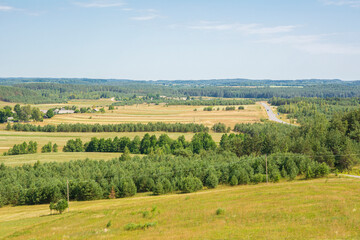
(316, 209)
(17, 160)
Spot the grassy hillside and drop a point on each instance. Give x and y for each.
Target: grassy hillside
(317, 209)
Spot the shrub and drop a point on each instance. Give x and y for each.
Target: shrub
(244, 177)
(127, 187)
(108, 224)
(322, 170)
(145, 214)
(146, 184)
(47, 148)
(275, 175)
(166, 185)
(55, 148)
(61, 205)
(234, 181)
(258, 178)
(134, 226)
(74, 146)
(219, 128)
(191, 184)
(158, 189)
(212, 181)
(309, 173)
(230, 108)
(50, 113)
(89, 190)
(220, 211)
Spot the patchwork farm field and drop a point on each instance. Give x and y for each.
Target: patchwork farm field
(316, 209)
(144, 113)
(169, 114)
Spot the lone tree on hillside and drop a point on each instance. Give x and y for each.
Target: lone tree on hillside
(60, 206)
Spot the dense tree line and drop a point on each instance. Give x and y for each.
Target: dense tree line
(302, 108)
(23, 148)
(276, 101)
(122, 127)
(20, 113)
(90, 180)
(62, 90)
(220, 128)
(210, 82)
(213, 102)
(335, 142)
(148, 144)
(19, 94)
(188, 102)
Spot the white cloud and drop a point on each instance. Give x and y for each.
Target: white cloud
(251, 28)
(293, 39)
(101, 4)
(350, 3)
(145, 17)
(6, 8)
(19, 10)
(314, 44)
(330, 48)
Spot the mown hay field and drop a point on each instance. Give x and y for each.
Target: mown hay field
(315, 209)
(144, 113)
(161, 113)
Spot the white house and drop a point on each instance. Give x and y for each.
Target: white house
(63, 111)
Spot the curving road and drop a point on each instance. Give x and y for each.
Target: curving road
(271, 114)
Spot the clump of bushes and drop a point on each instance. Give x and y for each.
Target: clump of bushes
(108, 224)
(191, 184)
(60, 206)
(220, 128)
(220, 211)
(230, 108)
(134, 226)
(23, 148)
(49, 147)
(209, 109)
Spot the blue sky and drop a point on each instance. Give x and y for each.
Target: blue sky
(180, 39)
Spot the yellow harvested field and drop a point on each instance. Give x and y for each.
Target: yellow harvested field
(160, 113)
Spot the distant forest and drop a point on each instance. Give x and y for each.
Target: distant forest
(52, 90)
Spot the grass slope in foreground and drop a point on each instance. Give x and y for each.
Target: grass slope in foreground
(316, 209)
